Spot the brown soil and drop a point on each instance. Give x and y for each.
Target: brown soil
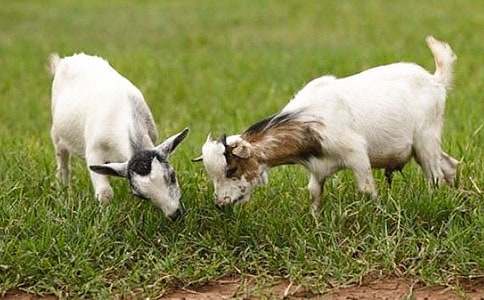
(378, 289)
(386, 289)
(19, 295)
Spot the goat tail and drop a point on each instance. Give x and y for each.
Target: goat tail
(54, 60)
(444, 59)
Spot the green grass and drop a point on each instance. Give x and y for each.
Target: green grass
(220, 66)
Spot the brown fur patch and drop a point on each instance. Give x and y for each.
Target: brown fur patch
(238, 167)
(287, 143)
(283, 141)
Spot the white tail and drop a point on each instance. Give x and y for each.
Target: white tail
(444, 60)
(54, 60)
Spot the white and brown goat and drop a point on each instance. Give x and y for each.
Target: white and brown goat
(379, 118)
(101, 116)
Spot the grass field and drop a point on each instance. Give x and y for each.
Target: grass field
(220, 66)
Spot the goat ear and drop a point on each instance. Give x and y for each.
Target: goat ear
(198, 159)
(170, 144)
(241, 151)
(111, 169)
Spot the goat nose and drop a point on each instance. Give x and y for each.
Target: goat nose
(176, 215)
(220, 202)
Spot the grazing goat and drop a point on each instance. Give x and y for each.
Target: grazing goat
(101, 116)
(379, 118)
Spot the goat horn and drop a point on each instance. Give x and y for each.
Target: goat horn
(198, 159)
(223, 139)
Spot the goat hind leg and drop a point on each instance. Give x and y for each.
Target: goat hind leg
(448, 165)
(389, 176)
(62, 159)
(428, 155)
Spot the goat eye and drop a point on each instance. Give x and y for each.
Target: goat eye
(172, 177)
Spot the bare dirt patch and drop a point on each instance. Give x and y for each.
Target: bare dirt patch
(20, 295)
(379, 289)
(238, 288)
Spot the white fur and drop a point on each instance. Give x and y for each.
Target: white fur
(379, 118)
(91, 109)
(93, 116)
(215, 165)
(213, 158)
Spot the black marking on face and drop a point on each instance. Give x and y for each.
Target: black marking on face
(228, 149)
(172, 178)
(140, 163)
(230, 171)
(238, 199)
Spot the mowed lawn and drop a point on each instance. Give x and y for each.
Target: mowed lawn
(219, 66)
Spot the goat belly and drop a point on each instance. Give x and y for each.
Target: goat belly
(391, 162)
(390, 158)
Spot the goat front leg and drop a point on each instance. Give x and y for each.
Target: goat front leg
(102, 188)
(315, 187)
(359, 163)
(321, 169)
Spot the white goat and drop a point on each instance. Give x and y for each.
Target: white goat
(101, 116)
(379, 118)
